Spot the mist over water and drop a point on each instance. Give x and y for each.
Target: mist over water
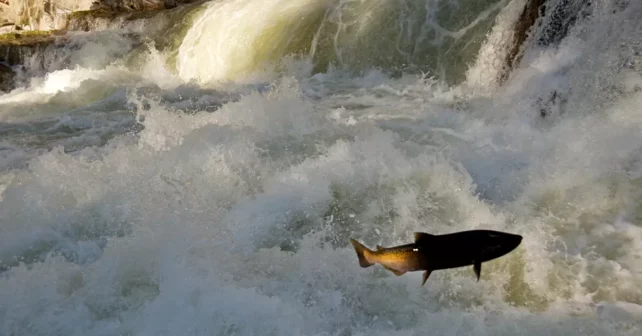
(210, 186)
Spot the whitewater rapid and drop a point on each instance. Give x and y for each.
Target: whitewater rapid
(167, 196)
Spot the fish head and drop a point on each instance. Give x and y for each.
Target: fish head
(496, 244)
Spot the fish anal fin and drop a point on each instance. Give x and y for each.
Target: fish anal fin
(425, 276)
(422, 236)
(477, 269)
(394, 271)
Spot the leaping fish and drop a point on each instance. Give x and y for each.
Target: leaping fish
(437, 252)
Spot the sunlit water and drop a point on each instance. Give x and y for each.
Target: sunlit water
(211, 189)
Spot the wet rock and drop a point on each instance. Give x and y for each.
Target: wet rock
(32, 54)
(15, 46)
(532, 11)
(6, 78)
(7, 28)
(40, 14)
(554, 20)
(16, 49)
(560, 19)
(136, 5)
(56, 14)
(25, 53)
(108, 14)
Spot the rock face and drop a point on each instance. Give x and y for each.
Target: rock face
(54, 14)
(136, 5)
(6, 78)
(39, 14)
(532, 11)
(544, 23)
(30, 54)
(116, 13)
(16, 47)
(552, 19)
(25, 51)
(561, 18)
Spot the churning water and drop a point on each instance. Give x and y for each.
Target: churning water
(210, 186)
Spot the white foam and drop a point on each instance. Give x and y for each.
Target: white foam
(483, 76)
(236, 221)
(246, 41)
(232, 39)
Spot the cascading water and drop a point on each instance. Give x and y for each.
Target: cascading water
(234, 39)
(209, 184)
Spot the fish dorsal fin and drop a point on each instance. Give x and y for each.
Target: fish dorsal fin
(422, 237)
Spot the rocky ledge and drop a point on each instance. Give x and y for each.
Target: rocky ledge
(15, 47)
(45, 15)
(6, 77)
(19, 44)
(110, 13)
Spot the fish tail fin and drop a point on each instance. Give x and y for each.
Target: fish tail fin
(363, 253)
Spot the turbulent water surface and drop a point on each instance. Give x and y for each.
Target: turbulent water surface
(207, 181)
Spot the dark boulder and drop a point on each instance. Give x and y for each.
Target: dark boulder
(544, 23)
(6, 78)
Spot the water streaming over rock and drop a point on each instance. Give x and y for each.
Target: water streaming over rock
(207, 180)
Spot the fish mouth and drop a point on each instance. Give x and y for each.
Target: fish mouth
(508, 243)
(512, 243)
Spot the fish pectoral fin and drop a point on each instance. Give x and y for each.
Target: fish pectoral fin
(425, 276)
(394, 271)
(477, 269)
(422, 236)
